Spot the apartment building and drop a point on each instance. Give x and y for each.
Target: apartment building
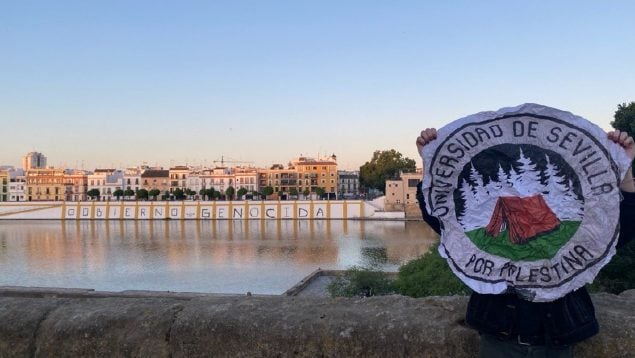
(75, 185)
(178, 177)
(194, 181)
(347, 184)
(279, 178)
(132, 178)
(246, 178)
(45, 184)
(33, 160)
(156, 179)
(218, 178)
(4, 185)
(401, 194)
(17, 185)
(107, 181)
(314, 173)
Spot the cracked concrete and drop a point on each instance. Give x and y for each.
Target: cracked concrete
(195, 325)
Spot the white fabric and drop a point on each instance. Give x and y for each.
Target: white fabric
(520, 152)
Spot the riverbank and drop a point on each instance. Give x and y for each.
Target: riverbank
(194, 210)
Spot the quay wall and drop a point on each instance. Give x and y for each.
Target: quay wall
(137, 324)
(189, 210)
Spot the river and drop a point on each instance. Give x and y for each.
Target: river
(262, 257)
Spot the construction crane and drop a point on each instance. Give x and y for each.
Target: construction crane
(222, 161)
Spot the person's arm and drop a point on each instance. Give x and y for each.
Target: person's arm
(627, 186)
(429, 219)
(427, 135)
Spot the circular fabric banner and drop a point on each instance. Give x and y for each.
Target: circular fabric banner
(528, 199)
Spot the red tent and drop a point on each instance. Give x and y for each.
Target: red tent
(525, 218)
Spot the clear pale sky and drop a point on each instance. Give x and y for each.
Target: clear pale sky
(118, 83)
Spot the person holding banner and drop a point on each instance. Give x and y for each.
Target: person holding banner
(512, 323)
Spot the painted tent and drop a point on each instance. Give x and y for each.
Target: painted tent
(524, 218)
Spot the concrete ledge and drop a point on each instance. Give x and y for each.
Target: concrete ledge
(244, 326)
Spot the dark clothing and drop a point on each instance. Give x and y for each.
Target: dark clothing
(562, 322)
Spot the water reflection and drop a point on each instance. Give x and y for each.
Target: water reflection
(201, 256)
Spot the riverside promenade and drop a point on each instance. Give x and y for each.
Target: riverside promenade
(192, 210)
(78, 323)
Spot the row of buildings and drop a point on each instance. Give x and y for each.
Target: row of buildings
(301, 177)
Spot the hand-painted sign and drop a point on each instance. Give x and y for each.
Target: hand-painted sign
(528, 198)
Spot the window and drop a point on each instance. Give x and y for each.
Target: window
(412, 183)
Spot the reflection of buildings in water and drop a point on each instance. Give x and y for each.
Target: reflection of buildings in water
(144, 246)
(59, 247)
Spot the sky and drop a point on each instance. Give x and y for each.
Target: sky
(95, 84)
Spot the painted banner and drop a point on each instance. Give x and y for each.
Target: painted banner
(528, 198)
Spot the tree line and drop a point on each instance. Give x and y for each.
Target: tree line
(206, 194)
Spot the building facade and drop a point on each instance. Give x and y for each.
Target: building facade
(316, 173)
(75, 185)
(107, 181)
(156, 179)
(348, 184)
(401, 194)
(178, 178)
(45, 184)
(17, 185)
(4, 185)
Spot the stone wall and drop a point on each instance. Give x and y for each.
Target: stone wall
(74, 324)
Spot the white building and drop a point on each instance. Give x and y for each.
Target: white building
(17, 185)
(107, 181)
(132, 179)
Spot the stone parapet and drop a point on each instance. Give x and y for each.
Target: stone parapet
(194, 325)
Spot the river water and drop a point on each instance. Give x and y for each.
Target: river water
(263, 257)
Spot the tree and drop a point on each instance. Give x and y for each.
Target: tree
(306, 193)
(93, 193)
(118, 193)
(202, 193)
(166, 195)
(128, 193)
(386, 164)
(189, 192)
(241, 192)
(229, 192)
(625, 118)
(142, 194)
(215, 194)
(266, 191)
(320, 192)
(179, 194)
(155, 193)
(211, 193)
(293, 192)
